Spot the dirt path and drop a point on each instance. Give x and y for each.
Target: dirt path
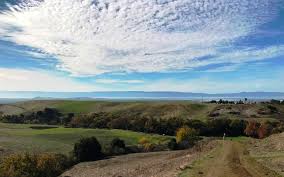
(156, 164)
(229, 162)
(230, 159)
(217, 159)
(163, 164)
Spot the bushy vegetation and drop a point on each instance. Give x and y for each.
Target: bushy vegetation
(259, 130)
(117, 146)
(46, 116)
(210, 127)
(186, 137)
(87, 149)
(173, 145)
(52, 165)
(214, 126)
(186, 134)
(221, 101)
(34, 165)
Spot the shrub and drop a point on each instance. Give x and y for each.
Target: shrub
(186, 134)
(33, 165)
(197, 125)
(264, 130)
(143, 141)
(87, 149)
(237, 127)
(117, 146)
(119, 124)
(148, 147)
(82, 121)
(172, 145)
(252, 128)
(272, 109)
(184, 144)
(217, 127)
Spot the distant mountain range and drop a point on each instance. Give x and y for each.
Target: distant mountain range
(137, 95)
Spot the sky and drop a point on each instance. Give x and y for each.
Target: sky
(209, 46)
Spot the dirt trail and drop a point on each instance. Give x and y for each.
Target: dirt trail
(217, 159)
(156, 164)
(164, 164)
(231, 160)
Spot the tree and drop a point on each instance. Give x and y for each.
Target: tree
(82, 121)
(252, 128)
(172, 145)
(117, 146)
(87, 149)
(217, 127)
(237, 127)
(186, 134)
(67, 119)
(264, 130)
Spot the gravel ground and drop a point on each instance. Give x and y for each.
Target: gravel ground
(156, 164)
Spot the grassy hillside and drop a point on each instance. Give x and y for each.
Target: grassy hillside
(18, 137)
(270, 152)
(156, 109)
(161, 109)
(229, 158)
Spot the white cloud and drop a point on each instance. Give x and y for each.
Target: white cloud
(116, 81)
(206, 85)
(91, 37)
(227, 68)
(38, 80)
(235, 58)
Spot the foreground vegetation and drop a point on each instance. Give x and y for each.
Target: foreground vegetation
(35, 163)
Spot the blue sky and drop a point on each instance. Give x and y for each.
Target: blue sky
(207, 46)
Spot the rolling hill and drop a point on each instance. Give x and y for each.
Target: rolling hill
(156, 109)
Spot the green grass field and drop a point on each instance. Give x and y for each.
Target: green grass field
(20, 138)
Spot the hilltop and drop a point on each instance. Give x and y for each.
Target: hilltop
(155, 109)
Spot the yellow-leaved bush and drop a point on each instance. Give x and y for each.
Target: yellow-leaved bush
(33, 165)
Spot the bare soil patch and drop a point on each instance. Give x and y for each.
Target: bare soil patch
(157, 164)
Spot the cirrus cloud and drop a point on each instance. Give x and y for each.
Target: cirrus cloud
(91, 37)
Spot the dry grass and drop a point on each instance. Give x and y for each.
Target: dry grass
(270, 152)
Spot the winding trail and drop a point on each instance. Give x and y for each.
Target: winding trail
(231, 159)
(216, 159)
(161, 164)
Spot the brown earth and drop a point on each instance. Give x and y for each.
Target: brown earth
(229, 159)
(233, 161)
(270, 152)
(216, 159)
(156, 164)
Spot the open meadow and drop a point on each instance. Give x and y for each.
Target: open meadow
(22, 138)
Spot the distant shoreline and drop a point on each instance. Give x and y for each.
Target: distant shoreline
(197, 99)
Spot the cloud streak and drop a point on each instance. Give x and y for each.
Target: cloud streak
(116, 81)
(91, 37)
(39, 80)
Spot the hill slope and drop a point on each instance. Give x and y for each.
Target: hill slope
(155, 109)
(160, 109)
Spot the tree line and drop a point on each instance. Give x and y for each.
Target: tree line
(210, 127)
